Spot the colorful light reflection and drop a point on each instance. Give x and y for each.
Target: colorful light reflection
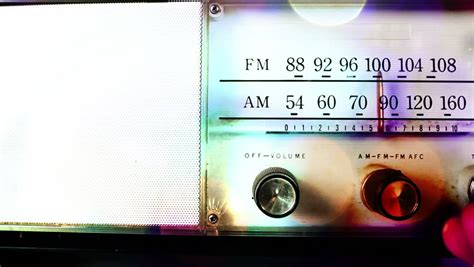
(328, 14)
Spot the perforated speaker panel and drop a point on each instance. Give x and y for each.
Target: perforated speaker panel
(100, 114)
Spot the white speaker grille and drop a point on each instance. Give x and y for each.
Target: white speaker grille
(100, 114)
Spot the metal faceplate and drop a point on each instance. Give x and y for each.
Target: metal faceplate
(332, 93)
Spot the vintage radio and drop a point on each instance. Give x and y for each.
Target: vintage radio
(324, 118)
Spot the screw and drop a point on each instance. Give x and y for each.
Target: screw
(212, 218)
(215, 9)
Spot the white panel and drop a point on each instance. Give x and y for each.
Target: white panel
(99, 114)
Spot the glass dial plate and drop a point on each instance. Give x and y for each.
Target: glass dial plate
(280, 69)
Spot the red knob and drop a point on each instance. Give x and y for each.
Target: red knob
(391, 194)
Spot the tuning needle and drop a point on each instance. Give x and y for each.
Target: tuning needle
(380, 112)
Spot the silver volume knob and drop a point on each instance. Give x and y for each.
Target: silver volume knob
(276, 192)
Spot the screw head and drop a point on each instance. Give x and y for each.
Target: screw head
(215, 9)
(212, 218)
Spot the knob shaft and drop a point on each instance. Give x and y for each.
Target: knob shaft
(391, 194)
(276, 192)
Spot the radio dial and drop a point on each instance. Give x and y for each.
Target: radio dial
(391, 194)
(276, 192)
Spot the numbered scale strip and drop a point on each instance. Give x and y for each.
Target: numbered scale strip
(353, 65)
(367, 125)
(380, 124)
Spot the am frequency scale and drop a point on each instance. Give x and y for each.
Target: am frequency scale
(337, 116)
